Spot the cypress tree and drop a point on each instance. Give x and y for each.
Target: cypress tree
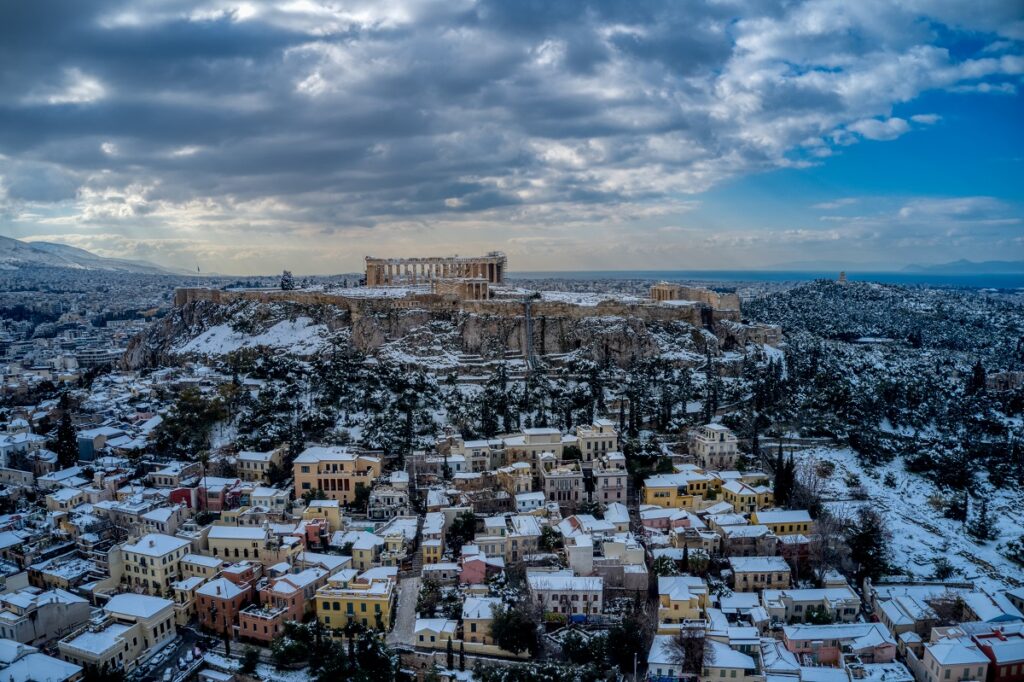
(67, 442)
(981, 526)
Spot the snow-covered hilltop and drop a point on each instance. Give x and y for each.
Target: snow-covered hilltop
(412, 326)
(15, 254)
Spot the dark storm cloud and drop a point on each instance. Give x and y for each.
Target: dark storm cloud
(354, 113)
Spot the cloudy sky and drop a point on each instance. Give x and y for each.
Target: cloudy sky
(305, 134)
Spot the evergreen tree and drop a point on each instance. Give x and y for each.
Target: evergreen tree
(981, 526)
(66, 445)
(515, 629)
(976, 383)
(785, 474)
(450, 655)
(867, 540)
(686, 558)
(462, 655)
(287, 281)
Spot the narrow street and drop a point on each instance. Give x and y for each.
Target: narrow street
(405, 612)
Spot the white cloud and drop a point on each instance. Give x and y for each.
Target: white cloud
(880, 129)
(76, 87)
(381, 120)
(838, 203)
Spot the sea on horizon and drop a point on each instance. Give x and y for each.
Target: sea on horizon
(975, 281)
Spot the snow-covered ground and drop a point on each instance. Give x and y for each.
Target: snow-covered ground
(583, 298)
(920, 533)
(300, 335)
(264, 671)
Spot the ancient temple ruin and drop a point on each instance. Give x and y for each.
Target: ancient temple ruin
(425, 271)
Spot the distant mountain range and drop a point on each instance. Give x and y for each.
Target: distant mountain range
(963, 266)
(16, 254)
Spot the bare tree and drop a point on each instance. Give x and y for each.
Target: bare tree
(809, 485)
(950, 607)
(828, 549)
(691, 651)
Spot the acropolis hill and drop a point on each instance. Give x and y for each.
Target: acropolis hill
(477, 285)
(406, 300)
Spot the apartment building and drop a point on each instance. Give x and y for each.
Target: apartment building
(35, 617)
(562, 483)
(134, 625)
(563, 593)
(152, 563)
(714, 446)
(754, 573)
(367, 598)
(610, 477)
(255, 466)
(232, 543)
(597, 439)
(785, 522)
(337, 471)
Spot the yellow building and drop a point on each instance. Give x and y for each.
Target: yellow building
(364, 547)
(200, 566)
(185, 599)
(746, 498)
(233, 543)
(432, 551)
(255, 466)
(337, 471)
(367, 599)
(680, 598)
(756, 573)
(133, 625)
(325, 509)
(434, 633)
(152, 563)
(477, 616)
(64, 499)
(684, 490)
(783, 522)
(531, 443)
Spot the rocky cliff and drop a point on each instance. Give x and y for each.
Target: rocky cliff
(433, 336)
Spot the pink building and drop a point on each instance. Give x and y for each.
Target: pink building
(477, 568)
(218, 603)
(661, 518)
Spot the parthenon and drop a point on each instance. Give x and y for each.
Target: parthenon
(413, 271)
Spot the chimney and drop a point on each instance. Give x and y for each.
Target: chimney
(152, 543)
(218, 590)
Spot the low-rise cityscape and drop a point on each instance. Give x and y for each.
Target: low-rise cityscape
(259, 494)
(511, 341)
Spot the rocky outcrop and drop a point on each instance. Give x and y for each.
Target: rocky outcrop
(617, 333)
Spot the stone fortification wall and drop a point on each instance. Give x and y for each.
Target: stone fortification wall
(647, 311)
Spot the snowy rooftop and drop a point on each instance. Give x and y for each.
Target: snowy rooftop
(137, 605)
(155, 545)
